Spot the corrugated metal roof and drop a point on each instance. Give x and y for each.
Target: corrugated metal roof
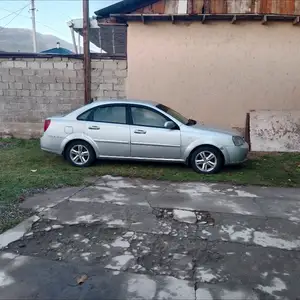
(125, 6)
(62, 51)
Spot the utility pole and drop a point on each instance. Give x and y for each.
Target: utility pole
(86, 52)
(32, 8)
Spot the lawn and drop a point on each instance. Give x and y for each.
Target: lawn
(25, 168)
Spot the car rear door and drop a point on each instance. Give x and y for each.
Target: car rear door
(107, 125)
(149, 138)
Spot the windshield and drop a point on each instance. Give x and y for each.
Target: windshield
(176, 115)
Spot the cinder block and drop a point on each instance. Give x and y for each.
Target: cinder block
(60, 65)
(56, 86)
(42, 86)
(121, 73)
(110, 80)
(7, 64)
(47, 64)
(107, 73)
(111, 94)
(96, 65)
(69, 86)
(9, 92)
(23, 93)
(97, 93)
(70, 73)
(28, 72)
(7, 78)
(15, 86)
(80, 86)
(35, 65)
(121, 94)
(29, 86)
(49, 79)
(119, 87)
(62, 79)
(106, 86)
(110, 64)
(43, 72)
(36, 93)
(15, 71)
(70, 65)
(56, 72)
(77, 94)
(78, 66)
(122, 64)
(21, 79)
(35, 79)
(20, 64)
(51, 93)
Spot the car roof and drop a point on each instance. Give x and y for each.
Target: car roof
(108, 101)
(123, 101)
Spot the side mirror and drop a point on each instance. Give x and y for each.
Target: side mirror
(170, 125)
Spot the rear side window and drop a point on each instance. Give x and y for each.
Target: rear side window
(85, 116)
(106, 114)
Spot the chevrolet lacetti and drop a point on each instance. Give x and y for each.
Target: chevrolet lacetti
(140, 130)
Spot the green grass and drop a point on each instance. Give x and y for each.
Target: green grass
(22, 156)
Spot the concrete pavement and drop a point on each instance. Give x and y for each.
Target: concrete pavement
(138, 239)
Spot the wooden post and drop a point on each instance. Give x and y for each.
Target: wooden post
(86, 52)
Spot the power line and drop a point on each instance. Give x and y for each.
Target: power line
(16, 15)
(36, 21)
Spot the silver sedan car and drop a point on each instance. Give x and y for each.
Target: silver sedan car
(140, 130)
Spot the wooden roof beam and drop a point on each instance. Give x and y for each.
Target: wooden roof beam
(296, 21)
(233, 21)
(264, 20)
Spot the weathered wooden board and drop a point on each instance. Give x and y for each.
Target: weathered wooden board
(286, 7)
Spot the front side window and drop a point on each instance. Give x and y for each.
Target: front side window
(176, 115)
(109, 114)
(146, 117)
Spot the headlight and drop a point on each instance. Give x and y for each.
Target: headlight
(238, 140)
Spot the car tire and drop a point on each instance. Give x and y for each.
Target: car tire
(209, 157)
(84, 151)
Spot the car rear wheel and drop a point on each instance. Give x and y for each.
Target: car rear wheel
(206, 160)
(80, 154)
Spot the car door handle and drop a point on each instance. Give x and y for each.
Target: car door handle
(94, 128)
(139, 131)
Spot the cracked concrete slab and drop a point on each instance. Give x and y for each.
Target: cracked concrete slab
(50, 198)
(156, 240)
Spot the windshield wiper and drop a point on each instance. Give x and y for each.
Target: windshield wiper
(191, 122)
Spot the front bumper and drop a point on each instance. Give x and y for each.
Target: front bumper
(237, 154)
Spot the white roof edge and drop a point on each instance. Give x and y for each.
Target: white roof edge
(78, 23)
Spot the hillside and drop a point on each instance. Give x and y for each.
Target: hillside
(19, 39)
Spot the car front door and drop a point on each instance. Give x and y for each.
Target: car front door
(107, 125)
(149, 138)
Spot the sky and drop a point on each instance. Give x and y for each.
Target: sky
(51, 15)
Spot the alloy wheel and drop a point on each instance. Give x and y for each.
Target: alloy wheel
(79, 154)
(206, 161)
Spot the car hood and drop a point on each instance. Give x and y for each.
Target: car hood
(215, 129)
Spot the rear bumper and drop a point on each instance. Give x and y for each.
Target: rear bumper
(47, 144)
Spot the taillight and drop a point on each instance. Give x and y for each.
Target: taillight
(46, 124)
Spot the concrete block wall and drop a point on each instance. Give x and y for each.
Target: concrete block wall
(33, 88)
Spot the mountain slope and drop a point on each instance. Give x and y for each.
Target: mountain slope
(20, 39)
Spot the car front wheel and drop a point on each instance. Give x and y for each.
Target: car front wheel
(206, 160)
(80, 154)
